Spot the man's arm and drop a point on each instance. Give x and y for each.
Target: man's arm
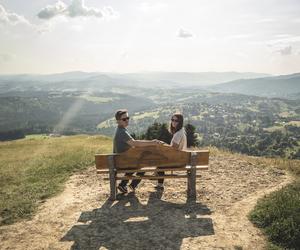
(143, 143)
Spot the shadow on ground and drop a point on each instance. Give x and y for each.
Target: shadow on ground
(128, 224)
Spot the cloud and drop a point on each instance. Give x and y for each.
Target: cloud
(146, 7)
(52, 10)
(184, 33)
(265, 20)
(76, 8)
(285, 51)
(11, 18)
(4, 58)
(238, 37)
(284, 39)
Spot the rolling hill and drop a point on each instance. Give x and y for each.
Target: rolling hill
(285, 86)
(83, 81)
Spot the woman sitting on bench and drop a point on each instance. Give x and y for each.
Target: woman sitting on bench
(179, 141)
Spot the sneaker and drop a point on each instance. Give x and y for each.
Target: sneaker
(122, 189)
(159, 186)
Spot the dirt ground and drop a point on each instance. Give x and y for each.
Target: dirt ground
(82, 217)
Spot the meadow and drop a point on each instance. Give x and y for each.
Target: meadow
(36, 168)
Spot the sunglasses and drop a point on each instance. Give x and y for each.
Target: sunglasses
(174, 120)
(125, 119)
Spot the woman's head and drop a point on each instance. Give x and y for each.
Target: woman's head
(176, 123)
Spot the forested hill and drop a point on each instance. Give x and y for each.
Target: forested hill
(71, 112)
(279, 86)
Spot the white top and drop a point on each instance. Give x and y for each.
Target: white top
(180, 138)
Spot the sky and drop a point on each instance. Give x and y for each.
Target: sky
(120, 36)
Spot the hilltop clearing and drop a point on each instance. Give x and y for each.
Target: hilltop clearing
(82, 217)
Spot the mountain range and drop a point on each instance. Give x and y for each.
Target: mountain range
(283, 86)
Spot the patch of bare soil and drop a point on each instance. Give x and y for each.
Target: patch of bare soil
(82, 217)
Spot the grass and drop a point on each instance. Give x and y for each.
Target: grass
(35, 168)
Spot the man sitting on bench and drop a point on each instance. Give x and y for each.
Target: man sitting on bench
(123, 141)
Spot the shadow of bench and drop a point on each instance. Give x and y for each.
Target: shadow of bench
(129, 224)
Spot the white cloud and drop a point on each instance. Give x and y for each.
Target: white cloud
(287, 39)
(265, 20)
(76, 8)
(238, 37)
(184, 33)
(11, 18)
(4, 58)
(110, 13)
(52, 10)
(285, 51)
(146, 7)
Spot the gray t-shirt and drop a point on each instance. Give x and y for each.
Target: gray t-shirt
(121, 138)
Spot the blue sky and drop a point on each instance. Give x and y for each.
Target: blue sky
(45, 36)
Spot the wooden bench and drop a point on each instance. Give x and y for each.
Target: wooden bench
(147, 159)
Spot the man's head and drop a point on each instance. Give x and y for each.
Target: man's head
(122, 118)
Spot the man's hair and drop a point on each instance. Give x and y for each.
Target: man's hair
(119, 113)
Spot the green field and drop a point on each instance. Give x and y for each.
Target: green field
(97, 99)
(35, 168)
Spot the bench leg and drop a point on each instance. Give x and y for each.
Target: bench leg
(191, 193)
(112, 179)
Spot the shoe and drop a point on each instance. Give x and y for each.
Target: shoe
(122, 189)
(132, 188)
(159, 186)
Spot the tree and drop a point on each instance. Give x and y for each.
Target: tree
(191, 136)
(158, 131)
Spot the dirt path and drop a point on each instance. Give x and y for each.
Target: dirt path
(81, 217)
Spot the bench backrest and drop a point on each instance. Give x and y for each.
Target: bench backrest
(159, 156)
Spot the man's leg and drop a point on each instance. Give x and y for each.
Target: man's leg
(160, 181)
(123, 183)
(135, 183)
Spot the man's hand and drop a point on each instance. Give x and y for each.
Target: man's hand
(158, 142)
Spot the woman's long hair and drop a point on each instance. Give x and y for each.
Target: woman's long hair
(179, 117)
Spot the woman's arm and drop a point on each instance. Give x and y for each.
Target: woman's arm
(143, 143)
(175, 145)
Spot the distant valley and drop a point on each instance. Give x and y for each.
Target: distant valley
(251, 113)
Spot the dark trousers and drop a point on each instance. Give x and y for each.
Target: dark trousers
(160, 173)
(134, 183)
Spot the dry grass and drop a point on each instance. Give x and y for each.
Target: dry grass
(293, 166)
(36, 168)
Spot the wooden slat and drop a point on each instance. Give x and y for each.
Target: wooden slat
(159, 156)
(105, 171)
(102, 171)
(150, 177)
(198, 167)
(101, 160)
